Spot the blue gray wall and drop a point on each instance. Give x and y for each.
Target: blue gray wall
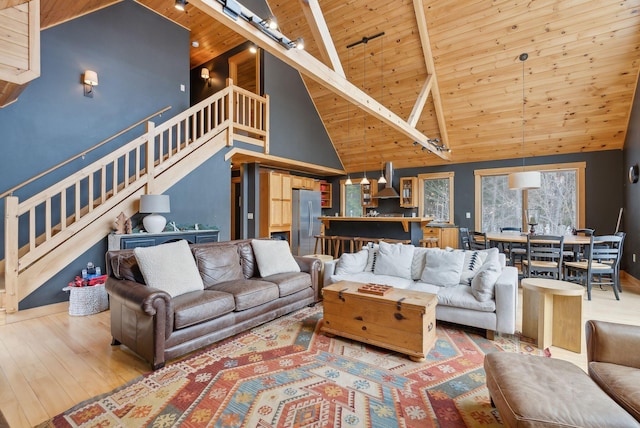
(632, 193)
(141, 60)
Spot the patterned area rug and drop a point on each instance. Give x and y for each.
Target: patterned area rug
(288, 374)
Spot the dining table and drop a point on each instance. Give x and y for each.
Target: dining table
(521, 238)
(572, 243)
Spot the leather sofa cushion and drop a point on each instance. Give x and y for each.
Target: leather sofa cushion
(125, 266)
(216, 264)
(247, 259)
(534, 391)
(249, 293)
(620, 383)
(199, 306)
(290, 282)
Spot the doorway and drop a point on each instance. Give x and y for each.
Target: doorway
(244, 70)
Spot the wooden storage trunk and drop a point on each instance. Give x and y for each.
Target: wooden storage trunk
(400, 320)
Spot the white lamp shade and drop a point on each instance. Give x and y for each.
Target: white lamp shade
(204, 73)
(154, 204)
(524, 180)
(91, 77)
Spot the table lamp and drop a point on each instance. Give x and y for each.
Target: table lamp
(153, 205)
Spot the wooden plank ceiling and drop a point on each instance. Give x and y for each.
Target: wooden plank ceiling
(579, 80)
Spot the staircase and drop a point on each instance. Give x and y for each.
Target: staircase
(46, 232)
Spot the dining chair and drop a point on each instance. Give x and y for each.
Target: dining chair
(575, 253)
(513, 250)
(478, 241)
(600, 266)
(465, 238)
(544, 256)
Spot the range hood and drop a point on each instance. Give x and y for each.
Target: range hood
(388, 192)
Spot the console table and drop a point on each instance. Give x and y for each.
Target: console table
(133, 240)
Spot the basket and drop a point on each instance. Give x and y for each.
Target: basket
(87, 300)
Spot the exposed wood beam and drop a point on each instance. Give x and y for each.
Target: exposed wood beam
(431, 69)
(311, 67)
(320, 31)
(421, 101)
(237, 155)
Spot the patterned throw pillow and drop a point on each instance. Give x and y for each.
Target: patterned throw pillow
(473, 260)
(374, 250)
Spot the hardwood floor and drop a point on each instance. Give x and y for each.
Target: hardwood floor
(51, 361)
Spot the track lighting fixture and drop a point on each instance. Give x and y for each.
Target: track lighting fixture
(180, 5)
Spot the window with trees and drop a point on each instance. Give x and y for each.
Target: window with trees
(556, 207)
(350, 199)
(436, 196)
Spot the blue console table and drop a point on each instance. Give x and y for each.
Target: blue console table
(133, 240)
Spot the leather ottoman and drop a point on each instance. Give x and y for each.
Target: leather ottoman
(532, 391)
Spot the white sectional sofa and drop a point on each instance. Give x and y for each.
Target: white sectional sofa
(474, 288)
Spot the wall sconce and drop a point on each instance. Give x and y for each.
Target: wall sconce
(180, 4)
(90, 80)
(253, 48)
(204, 73)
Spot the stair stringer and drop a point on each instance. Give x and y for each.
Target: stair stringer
(53, 262)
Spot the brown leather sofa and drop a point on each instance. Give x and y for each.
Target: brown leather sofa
(533, 391)
(613, 357)
(159, 328)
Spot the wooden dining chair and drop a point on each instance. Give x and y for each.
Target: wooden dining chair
(513, 250)
(478, 241)
(465, 238)
(600, 266)
(544, 256)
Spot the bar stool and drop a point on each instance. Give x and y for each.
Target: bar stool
(431, 242)
(342, 244)
(396, 241)
(323, 243)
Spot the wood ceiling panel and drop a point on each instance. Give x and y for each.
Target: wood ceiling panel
(580, 78)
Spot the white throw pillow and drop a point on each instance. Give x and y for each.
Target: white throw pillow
(394, 260)
(169, 267)
(373, 249)
(350, 263)
(473, 261)
(273, 256)
(443, 268)
(417, 264)
(483, 284)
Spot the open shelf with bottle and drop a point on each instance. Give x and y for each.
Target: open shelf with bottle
(408, 192)
(368, 193)
(325, 194)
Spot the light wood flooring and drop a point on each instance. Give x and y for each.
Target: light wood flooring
(51, 361)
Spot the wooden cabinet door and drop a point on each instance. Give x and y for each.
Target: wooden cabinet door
(286, 187)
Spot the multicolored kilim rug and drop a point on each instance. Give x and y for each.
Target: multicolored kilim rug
(288, 374)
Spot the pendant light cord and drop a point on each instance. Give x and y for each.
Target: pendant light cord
(523, 58)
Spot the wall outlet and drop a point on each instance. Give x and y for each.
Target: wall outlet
(182, 88)
(250, 216)
(468, 215)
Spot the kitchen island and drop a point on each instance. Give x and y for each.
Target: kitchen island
(395, 227)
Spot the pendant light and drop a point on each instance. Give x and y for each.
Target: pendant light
(524, 180)
(348, 182)
(364, 115)
(382, 179)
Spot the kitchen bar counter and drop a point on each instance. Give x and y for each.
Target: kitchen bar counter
(377, 227)
(405, 221)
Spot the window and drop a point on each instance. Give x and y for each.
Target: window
(436, 196)
(556, 207)
(350, 199)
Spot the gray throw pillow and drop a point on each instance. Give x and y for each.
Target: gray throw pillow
(443, 268)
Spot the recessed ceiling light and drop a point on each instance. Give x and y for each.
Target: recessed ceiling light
(195, 44)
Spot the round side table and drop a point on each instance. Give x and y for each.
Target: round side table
(552, 313)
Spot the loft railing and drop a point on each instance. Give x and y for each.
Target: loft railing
(40, 224)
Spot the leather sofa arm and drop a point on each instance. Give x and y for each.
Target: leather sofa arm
(144, 300)
(312, 266)
(613, 343)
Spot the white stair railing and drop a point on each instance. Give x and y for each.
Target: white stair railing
(42, 223)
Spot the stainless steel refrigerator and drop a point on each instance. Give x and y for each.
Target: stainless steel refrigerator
(304, 222)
